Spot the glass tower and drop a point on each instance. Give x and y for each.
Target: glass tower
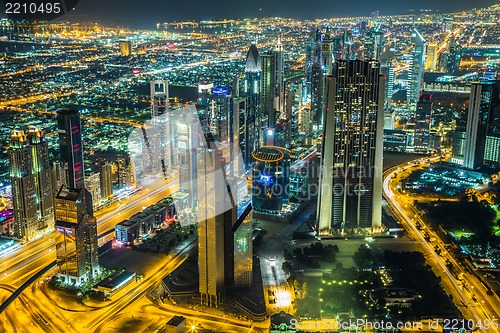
(351, 160)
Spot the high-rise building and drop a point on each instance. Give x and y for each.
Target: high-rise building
(30, 175)
(243, 246)
(58, 177)
(386, 60)
(76, 236)
(187, 142)
(458, 146)
(272, 86)
(415, 72)
(125, 48)
(42, 172)
(317, 97)
(483, 119)
(431, 59)
(378, 43)
(454, 58)
(252, 89)
(216, 215)
(160, 141)
(350, 191)
(76, 227)
(423, 118)
(70, 145)
(270, 179)
(492, 150)
(125, 170)
(106, 181)
(93, 185)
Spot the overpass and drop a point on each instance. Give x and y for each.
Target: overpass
(26, 284)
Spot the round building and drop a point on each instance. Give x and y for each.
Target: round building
(270, 183)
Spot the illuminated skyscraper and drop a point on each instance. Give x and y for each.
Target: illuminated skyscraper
(76, 236)
(106, 181)
(270, 179)
(187, 142)
(160, 142)
(351, 159)
(317, 96)
(483, 119)
(423, 117)
(386, 60)
(252, 89)
(30, 175)
(243, 246)
(93, 185)
(76, 226)
(216, 216)
(70, 145)
(415, 73)
(431, 59)
(272, 87)
(378, 43)
(125, 48)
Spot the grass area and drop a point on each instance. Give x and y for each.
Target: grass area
(360, 291)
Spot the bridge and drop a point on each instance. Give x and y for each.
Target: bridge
(26, 284)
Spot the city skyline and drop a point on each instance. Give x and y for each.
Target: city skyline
(243, 175)
(112, 13)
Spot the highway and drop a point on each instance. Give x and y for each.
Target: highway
(406, 212)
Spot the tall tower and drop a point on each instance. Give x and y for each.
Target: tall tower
(431, 59)
(415, 73)
(43, 182)
(317, 95)
(30, 174)
(70, 145)
(386, 60)
(327, 52)
(216, 216)
(159, 137)
(23, 187)
(351, 160)
(423, 117)
(252, 90)
(378, 44)
(273, 87)
(483, 119)
(76, 227)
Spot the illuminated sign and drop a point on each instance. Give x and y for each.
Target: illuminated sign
(265, 179)
(220, 91)
(64, 230)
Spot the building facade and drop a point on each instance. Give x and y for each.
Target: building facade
(350, 191)
(30, 175)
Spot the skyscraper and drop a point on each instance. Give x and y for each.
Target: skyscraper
(415, 72)
(386, 60)
(423, 117)
(125, 47)
(272, 87)
(216, 217)
(106, 181)
(483, 119)
(70, 145)
(378, 43)
(317, 96)
(159, 136)
(76, 236)
(351, 159)
(431, 59)
(252, 89)
(76, 226)
(42, 172)
(30, 175)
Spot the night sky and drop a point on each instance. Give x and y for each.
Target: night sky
(146, 13)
